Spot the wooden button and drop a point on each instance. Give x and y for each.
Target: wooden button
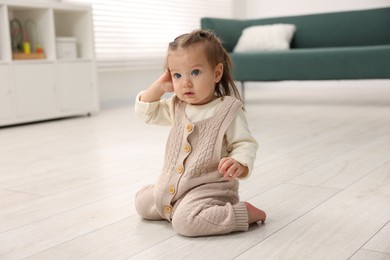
(171, 190)
(187, 148)
(189, 128)
(168, 209)
(180, 169)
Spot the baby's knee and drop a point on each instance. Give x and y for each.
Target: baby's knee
(186, 223)
(140, 203)
(184, 226)
(144, 204)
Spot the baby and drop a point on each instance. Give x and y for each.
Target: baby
(209, 146)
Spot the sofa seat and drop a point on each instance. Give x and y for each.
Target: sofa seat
(368, 62)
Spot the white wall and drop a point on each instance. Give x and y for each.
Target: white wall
(117, 88)
(268, 8)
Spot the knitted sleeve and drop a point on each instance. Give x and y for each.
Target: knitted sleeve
(158, 113)
(241, 145)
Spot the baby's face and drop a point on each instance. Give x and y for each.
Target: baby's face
(193, 77)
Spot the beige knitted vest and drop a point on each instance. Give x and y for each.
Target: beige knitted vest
(192, 154)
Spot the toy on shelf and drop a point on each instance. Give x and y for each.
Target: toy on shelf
(25, 42)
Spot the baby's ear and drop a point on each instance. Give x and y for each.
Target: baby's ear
(218, 72)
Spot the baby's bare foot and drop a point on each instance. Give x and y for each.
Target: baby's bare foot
(254, 214)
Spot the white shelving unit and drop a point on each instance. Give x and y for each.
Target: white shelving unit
(48, 87)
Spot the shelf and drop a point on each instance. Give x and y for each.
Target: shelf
(74, 60)
(39, 86)
(38, 22)
(28, 56)
(32, 61)
(75, 24)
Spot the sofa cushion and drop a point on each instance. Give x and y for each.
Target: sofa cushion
(367, 62)
(265, 38)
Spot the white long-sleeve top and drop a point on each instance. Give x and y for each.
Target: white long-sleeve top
(241, 145)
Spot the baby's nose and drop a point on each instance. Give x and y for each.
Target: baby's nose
(187, 83)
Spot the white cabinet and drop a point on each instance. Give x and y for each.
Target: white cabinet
(6, 101)
(5, 53)
(42, 85)
(35, 92)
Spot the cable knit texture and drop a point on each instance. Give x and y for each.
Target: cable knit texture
(190, 191)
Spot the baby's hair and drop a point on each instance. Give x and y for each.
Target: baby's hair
(215, 53)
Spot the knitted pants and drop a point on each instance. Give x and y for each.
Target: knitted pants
(209, 209)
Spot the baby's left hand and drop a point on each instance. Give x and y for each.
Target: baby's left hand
(231, 169)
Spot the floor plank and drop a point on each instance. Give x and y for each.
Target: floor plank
(49, 232)
(370, 255)
(117, 241)
(346, 169)
(381, 241)
(337, 228)
(16, 216)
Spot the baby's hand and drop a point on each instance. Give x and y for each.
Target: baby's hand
(166, 81)
(161, 86)
(231, 169)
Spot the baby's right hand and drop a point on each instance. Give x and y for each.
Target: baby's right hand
(155, 91)
(166, 81)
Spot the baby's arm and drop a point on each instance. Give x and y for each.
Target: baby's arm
(158, 88)
(150, 107)
(241, 145)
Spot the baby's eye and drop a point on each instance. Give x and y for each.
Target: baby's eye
(195, 72)
(177, 76)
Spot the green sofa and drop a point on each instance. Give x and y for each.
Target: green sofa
(326, 46)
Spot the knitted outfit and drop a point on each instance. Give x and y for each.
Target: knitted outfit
(190, 191)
